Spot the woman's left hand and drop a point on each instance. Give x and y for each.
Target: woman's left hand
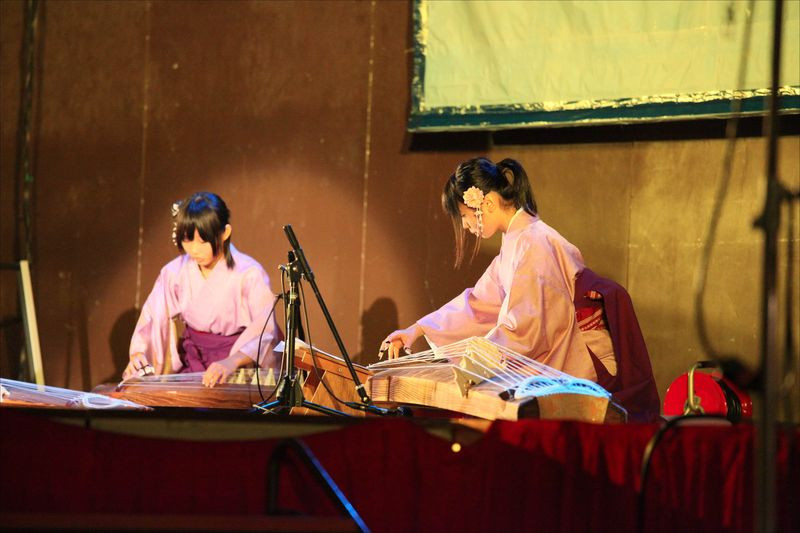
(400, 341)
(219, 371)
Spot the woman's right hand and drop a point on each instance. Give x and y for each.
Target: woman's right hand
(137, 367)
(402, 339)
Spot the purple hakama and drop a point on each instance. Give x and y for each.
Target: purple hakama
(199, 349)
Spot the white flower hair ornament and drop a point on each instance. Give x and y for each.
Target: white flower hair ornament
(473, 198)
(176, 207)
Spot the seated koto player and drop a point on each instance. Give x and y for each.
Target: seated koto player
(221, 295)
(536, 297)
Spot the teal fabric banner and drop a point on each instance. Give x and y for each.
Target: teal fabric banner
(509, 64)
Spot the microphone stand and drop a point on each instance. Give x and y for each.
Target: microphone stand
(290, 389)
(366, 402)
(765, 449)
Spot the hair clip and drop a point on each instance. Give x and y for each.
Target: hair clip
(473, 197)
(176, 207)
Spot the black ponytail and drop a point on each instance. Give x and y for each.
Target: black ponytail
(519, 186)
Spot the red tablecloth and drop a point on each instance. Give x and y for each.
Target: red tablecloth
(520, 476)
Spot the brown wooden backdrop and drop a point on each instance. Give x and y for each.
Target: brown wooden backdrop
(295, 113)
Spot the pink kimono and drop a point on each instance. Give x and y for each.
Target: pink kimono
(524, 301)
(227, 302)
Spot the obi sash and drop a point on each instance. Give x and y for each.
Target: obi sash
(589, 311)
(198, 349)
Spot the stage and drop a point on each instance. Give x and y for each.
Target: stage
(202, 470)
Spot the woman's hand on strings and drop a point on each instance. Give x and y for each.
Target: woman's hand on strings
(219, 371)
(400, 341)
(138, 366)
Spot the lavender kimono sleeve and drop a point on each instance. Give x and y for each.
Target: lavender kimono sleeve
(261, 307)
(537, 318)
(151, 336)
(471, 314)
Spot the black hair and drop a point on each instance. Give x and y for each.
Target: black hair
(207, 213)
(507, 178)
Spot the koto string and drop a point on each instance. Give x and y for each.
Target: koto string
(490, 367)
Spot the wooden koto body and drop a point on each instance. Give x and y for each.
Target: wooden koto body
(420, 385)
(468, 385)
(480, 378)
(438, 389)
(334, 373)
(241, 390)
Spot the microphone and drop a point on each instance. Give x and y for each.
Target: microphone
(299, 252)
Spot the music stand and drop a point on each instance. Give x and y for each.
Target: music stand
(290, 391)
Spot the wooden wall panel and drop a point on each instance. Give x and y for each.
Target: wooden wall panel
(295, 113)
(11, 17)
(88, 146)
